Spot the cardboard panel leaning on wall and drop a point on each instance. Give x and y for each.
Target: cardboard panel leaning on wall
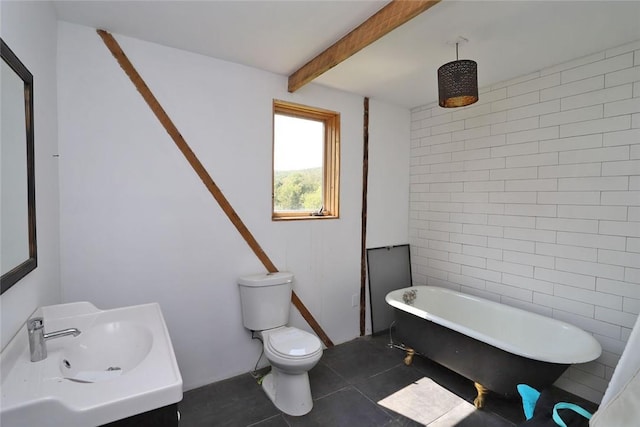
(388, 195)
(388, 187)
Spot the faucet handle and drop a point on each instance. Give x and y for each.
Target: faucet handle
(35, 323)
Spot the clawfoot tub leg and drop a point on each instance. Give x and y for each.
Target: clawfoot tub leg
(408, 359)
(482, 392)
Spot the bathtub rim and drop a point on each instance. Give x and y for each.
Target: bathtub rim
(591, 353)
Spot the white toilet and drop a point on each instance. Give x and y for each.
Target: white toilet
(291, 352)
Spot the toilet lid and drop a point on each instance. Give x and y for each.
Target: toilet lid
(292, 342)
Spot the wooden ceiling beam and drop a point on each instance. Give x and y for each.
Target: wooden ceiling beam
(394, 14)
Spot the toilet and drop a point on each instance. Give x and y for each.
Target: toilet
(292, 352)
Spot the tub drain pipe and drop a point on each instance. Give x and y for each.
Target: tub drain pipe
(410, 352)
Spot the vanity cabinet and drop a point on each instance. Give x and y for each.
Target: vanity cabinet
(167, 416)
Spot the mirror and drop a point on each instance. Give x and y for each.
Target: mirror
(18, 254)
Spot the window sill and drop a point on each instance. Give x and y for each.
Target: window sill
(303, 217)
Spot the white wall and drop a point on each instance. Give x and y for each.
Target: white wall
(532, 197)
(29, 29)
(137, 225)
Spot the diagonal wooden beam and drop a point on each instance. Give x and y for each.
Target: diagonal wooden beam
(200, 170)
(390, 17)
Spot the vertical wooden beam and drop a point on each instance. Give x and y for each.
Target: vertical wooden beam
(363, 237)
(200, 170)
(391, 16)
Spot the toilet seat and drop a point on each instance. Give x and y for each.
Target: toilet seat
(293, 343)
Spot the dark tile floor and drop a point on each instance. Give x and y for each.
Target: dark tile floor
(346, 385)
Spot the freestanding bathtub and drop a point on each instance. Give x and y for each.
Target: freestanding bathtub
(495, 345)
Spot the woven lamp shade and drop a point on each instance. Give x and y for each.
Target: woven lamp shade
(458, 83)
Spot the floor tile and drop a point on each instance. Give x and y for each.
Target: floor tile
(403, 422)
(344, 408)
(346, 385)
(456, 416)
(238, 401)
(325, 380)
(359, 359)
(385, 384)
(277, 421)
(423, 401)
(381, 340)
(379, 386)
(453, 382)
(510, 409)
(466, 415)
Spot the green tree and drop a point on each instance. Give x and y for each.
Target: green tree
(298, 190)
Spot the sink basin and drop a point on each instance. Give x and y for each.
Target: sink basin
(121, 364)
(106, 351)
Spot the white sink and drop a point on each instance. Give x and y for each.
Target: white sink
(121, 364)
(106, 351)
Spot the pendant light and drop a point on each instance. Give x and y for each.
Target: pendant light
(458, 82)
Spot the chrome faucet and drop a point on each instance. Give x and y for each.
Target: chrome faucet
(37, 337)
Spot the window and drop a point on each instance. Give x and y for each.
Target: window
(306, 162)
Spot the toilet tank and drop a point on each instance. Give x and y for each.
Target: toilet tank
(265, 299)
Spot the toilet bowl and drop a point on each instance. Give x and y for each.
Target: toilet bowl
(265, 300)
(292, 353)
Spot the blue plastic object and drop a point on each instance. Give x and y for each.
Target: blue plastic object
(529, 398)
(573, 407)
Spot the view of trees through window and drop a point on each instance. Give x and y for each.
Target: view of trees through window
(298, 190)
(297, 163)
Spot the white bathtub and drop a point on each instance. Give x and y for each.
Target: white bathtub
(493, 344)
(508, 328)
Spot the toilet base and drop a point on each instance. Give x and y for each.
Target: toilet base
(289, 393)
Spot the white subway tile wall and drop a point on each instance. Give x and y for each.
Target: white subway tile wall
(531, 197)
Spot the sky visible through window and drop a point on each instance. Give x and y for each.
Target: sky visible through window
(298, 143)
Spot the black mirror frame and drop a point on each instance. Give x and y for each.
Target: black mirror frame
(11, 277)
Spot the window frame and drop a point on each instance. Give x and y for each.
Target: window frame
(331, 160)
